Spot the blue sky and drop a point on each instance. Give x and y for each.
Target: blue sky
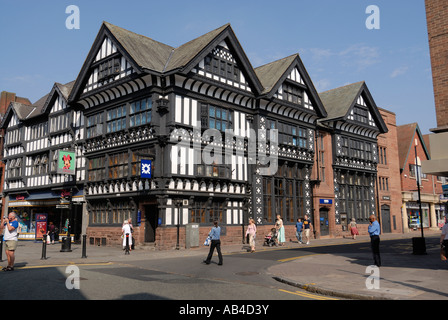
(331, 37)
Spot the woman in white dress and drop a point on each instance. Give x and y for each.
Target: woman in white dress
(281, 230)
(126, 230)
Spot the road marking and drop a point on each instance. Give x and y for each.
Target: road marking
(295, 258)
(308, 295)
(65, 265)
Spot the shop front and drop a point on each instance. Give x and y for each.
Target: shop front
(37, 211)
(413, 213)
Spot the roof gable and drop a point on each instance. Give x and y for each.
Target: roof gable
(274, 76)
(352, 103)
(406, 135)
(219, 42)
(117, 53)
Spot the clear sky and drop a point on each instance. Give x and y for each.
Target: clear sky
(36, 48)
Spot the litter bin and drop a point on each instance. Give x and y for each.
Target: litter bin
(192, 235)
(418, 246)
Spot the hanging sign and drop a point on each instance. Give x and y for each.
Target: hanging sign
(145, 169)
(66, 162)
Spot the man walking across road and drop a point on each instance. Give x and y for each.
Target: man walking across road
(215, 235)
(10, 238)
(374, 232)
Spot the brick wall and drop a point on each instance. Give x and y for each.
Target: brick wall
(391, 170)
(437, 22)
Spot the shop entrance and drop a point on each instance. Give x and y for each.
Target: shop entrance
(151, 222)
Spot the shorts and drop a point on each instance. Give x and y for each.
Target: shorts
(10, 245)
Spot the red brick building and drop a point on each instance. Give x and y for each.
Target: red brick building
(388, 179)
(412, 151)
(437, 23)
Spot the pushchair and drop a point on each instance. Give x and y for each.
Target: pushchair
(271, 238)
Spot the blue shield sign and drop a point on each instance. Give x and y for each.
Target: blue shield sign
(145, 169)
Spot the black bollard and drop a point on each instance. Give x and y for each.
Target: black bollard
(84, 244)
(44, 248)
(127, 244)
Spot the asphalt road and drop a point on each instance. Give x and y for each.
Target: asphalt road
(243, 277)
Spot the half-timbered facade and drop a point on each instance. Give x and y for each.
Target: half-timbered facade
(204, 117)
(34, 135)
(221, 140)
(354, 122)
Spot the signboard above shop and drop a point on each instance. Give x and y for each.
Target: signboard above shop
(66, 162)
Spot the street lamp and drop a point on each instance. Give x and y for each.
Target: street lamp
(419, 246)
(178, 203)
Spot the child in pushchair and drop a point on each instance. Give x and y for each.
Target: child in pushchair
(271, 238)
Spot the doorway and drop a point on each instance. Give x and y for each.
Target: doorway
(385, 218)
(323, 219)
(151, 222)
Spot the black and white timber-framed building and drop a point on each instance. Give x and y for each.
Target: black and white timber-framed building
(227, 141)
(33, 136)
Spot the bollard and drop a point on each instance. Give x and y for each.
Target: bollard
(127, 244)
(44, 248)
(84, 244)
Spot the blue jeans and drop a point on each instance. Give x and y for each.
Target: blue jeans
(299, 235)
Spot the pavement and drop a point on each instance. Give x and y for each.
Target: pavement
(403, 276)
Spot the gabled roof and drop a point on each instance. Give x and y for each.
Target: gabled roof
(27, 112)
(62, 90)
(273, 74)
(340, 101)
(184, 54)
(405, 138)
(145, 52)
(150, 56)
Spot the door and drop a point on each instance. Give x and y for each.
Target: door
(324, 225)
(151, 222)
(385, 218)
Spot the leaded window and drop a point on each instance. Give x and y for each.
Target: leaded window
(116, 119)
(97, 169)
(140, 112)
(118, 165)
(94, 125)
(213, 117)
(292, 93)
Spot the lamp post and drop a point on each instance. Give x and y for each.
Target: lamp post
(179, 205)
(419, 245)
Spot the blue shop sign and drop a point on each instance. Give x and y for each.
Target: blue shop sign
(145, 169)
(325, 201)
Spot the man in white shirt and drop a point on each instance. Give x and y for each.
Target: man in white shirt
(10, 238)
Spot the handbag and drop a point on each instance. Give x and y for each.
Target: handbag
(207, 241)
